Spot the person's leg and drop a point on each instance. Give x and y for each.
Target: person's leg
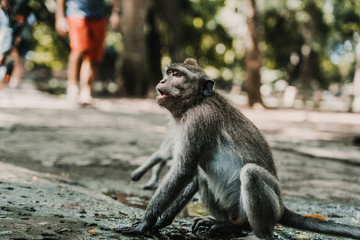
(79, 44)
(89, 66)
(18, 71)
(87, 73)
(72, 89)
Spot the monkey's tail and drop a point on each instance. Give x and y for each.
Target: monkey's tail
(300, 222)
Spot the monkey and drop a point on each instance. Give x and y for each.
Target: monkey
(221, 154)
(157, 161)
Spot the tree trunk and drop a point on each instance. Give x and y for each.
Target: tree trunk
(308, 55)
(170, 12)
(253, 63)
(136, 76)
(356, 102)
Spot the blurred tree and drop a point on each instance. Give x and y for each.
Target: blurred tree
(314, 32)
(136, 72)
(143, 38)
(310, 41)
(253, 63)
(356, 101)
(295, 38)
(170, 12)
(204, 38)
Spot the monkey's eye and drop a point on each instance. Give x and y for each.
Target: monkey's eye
(177, 74)
(168, 72)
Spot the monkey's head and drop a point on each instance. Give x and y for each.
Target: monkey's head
(183, 84)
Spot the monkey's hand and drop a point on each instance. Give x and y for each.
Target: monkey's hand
(136, 228)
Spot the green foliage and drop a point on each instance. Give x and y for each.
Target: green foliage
(206, 39)
(326, 25)
(281, 35)
(49, 51)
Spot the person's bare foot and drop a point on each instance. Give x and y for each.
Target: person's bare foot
(85, 99)
(72, 93)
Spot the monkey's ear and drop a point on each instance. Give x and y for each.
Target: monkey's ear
(208, 89)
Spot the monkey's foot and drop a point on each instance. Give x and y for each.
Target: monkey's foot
(136, 175)
(202, 222)
(216, 227)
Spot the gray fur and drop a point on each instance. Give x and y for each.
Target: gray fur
(219, 152)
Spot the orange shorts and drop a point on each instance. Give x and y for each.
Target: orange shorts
(87, 35)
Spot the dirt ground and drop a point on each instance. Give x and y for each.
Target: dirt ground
(58, 161)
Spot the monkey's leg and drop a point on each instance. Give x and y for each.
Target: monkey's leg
(143, 168)
(153, 181)
(218, 224)
(169, 215)
(260, 195)
(162, 154)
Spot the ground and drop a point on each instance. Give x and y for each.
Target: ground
(61, 166)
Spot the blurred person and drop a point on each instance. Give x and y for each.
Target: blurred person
(85, 23)
(6, 40)
(16, 21)
(24, 21)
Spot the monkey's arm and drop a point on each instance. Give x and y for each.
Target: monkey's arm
(180, 175)
(167, 218)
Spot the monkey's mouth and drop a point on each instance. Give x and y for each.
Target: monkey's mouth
(162, 93)
(161, 96)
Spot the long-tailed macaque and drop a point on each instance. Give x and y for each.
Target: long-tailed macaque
(221, 154)
(157, 162)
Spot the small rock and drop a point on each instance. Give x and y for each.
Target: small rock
(43, 223)
(24, 214)
(64, 230)
(30, 209)
(83, 212)
(91, 224)
(5, 209)
(48, 234)
(4, 233)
